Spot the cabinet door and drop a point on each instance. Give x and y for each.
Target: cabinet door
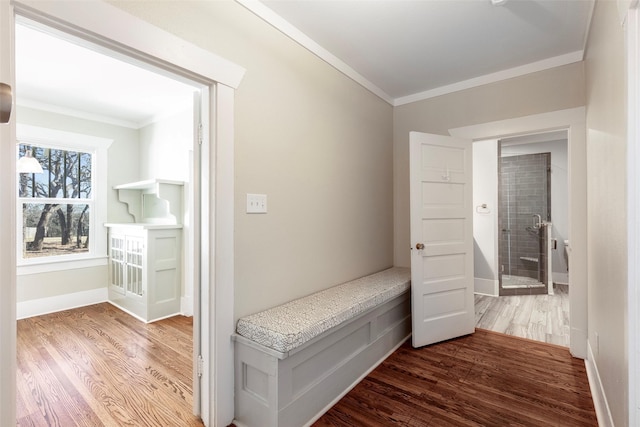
(117, 262)
(134, 265)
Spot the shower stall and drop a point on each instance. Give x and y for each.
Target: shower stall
(524, 221)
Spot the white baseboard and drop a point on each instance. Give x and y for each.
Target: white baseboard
(48, 305)
(486, 287)
(597, 391)
(560, 278)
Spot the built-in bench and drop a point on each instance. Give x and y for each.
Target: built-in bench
(294, 361)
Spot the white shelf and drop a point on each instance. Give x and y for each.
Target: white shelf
(153, 201)
(149, 184)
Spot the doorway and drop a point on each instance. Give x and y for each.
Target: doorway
(146, 144)
(530, 298)
(573, 121)
(220, 77)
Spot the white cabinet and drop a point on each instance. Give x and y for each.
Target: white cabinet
(145, 273)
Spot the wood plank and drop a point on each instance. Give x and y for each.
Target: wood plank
(98, 366)
(484, 379)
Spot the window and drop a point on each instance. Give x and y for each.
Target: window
(61, 211)
(57, 204)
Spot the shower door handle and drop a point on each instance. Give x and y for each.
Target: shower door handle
(537, 221)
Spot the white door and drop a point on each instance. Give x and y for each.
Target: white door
(442, 303)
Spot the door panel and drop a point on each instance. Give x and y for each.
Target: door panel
(442, 238)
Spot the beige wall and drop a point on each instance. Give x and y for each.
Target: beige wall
(607, 232)
(318, 144)
(555, 89)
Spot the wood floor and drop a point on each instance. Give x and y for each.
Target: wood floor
(98, 366)
(539, 317)
(484, 379)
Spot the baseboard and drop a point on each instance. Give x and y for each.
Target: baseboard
(597, 391)
(355, 383)
(38, 307)
(488, 287)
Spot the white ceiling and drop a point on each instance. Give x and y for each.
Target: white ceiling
(61, 76)
(402, 50)
(414, 49)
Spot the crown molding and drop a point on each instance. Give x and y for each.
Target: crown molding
(533, 67)
(279, 23)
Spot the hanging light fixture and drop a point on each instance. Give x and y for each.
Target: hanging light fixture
(28, 164)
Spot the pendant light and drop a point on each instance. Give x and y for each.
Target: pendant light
(28, 164)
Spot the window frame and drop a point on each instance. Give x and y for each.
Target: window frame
(71, 141)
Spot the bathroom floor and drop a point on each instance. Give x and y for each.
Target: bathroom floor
(539, 317)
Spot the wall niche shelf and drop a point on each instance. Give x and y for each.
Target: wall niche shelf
(154, 201)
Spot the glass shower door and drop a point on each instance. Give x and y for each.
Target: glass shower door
(524, 197)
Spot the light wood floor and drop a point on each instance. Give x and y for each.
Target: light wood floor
(484, 379)
(539, 317)
(98, 366)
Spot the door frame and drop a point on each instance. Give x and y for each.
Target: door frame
(630, 16)
(166, 51)
(574, 121)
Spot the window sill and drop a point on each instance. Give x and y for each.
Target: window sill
(46, 267)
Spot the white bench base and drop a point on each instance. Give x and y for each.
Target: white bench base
(294, 389)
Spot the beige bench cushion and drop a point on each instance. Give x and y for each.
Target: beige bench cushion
(288, 326)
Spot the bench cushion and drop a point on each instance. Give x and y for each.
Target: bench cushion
(288, 326)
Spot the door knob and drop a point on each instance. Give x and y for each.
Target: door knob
(420, 246)
(5, 102)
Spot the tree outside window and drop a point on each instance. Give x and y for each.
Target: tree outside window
(56, 204)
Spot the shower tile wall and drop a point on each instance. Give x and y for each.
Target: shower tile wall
(524, 191)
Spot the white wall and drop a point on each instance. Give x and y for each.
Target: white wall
(166, 152)
(605, 67)
(559, 195)
(121, 167)
(165, 146)
(485, 220)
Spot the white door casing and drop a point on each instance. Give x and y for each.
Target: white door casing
(153, 45)
(442, 302)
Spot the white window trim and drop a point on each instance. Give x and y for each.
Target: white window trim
(98, 244)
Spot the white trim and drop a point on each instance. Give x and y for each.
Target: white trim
(168, 51)
(48, 266)
(102, 23)
(56, 109)
(574, 121)
(7, 228)
(222, 299)
(282, 25)
(487, 287)
(38, 307)
(603, 413)
(98, 148)
(633, 210)
(545, 64)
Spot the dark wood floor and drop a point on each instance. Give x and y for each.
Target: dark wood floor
(98, 366)
(484, 379)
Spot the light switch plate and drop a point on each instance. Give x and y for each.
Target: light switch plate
(256, 203)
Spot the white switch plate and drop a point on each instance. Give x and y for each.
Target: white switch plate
(256, 203)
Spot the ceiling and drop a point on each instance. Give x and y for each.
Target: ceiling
(69, 77)
(401, 50)
(414, 49)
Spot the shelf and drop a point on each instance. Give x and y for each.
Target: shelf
(149, 184)
(153, 201)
